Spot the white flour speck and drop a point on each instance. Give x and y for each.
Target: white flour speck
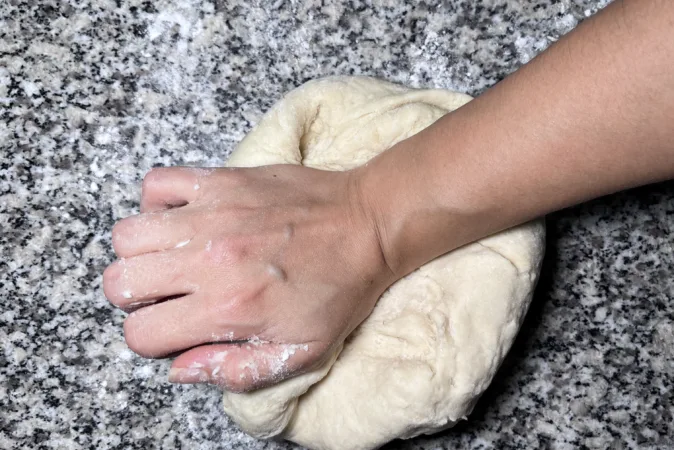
(96, 169)
(256, 341)
(183, 243)
(144, 372)
(287, 353)
(218, 357)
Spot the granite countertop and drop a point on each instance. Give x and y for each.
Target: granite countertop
(93, 93)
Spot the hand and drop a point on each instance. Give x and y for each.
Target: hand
(252, 275)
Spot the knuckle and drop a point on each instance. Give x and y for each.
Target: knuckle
(235, 250)
(229, 311)
(153, 177)
(135, 337)
(110, 277)
(240, 304)
(238, 377)
(231, 249)
(226, 309)
(121, 232)
(151, 185)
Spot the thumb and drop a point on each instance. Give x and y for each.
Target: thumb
(241, 366)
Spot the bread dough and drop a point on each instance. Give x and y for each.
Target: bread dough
(436, 337)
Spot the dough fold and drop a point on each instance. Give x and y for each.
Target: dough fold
(435, 339)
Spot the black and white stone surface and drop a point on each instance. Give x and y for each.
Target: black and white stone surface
(93, 93)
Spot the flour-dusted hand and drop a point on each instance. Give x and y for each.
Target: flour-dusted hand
(290, 259)
(276, 265)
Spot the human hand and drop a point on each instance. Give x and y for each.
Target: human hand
(250, 275)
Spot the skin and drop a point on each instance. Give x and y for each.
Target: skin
(252, 276)
(257, 259)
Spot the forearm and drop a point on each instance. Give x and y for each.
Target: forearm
(592, 115)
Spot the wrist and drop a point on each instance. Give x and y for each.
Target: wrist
(366, 229)
(414, 219)
(431, 193)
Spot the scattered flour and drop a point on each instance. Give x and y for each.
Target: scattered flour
(290, 350)
(218, 358)
(125, 355)
(265, 362)
(144, 371)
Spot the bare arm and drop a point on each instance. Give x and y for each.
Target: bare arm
(219, 265)
(592, 115)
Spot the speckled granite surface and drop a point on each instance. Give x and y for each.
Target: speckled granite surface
(93, 93)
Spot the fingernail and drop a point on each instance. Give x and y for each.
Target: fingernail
(187, 375)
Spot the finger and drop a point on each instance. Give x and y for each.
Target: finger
(141, 280)
(168, 187)
(241, 367)
(176, 325)
(152, 232)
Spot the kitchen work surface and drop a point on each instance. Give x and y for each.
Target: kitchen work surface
(95, 93)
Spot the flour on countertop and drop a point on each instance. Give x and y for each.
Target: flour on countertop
(73, 71)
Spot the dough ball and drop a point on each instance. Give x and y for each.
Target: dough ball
(435, 339)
